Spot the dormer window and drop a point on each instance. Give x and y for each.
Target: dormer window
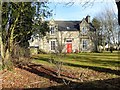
(68, 28)
(52, 30)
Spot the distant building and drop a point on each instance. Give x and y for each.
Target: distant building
(71, 36)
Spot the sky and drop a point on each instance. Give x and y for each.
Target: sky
(77, 11)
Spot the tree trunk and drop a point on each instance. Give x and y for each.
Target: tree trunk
(5, 56)
(118, 6)
(7, 47)
(2, 51)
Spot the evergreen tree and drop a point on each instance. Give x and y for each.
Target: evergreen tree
(18, 26)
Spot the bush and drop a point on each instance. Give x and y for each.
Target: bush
(56, 60)
(21, 56)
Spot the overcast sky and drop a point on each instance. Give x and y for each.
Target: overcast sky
(77, 11)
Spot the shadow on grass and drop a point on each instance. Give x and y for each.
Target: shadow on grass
(99, 69)
(97, 60)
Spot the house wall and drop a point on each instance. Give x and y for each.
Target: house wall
(89, 45)
(34, 42)
(69, 35)
(61, 37)
(85, 37)
(44, 44)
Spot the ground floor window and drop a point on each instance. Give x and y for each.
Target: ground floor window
(52, 45)
(85, 44)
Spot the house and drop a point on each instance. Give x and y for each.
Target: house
(67, 36)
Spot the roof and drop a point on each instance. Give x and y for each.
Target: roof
(68, 25)
(92, 28)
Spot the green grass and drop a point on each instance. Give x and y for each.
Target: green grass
(0, 67)
(86, 60)
(106, 60)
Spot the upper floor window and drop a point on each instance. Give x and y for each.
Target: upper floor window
(52, 30)
(84, 31)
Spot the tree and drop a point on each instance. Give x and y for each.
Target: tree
(17, 27)
(40, 25)
(96, 38)
(91, 2)
(23, 29)
(13, 18)
(96, 23)
(118, 6)
(109, 26)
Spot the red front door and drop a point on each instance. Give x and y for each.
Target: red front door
(69, 47)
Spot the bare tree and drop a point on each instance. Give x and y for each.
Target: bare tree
(109, 26)
(57, 55)
(60, 45)
(96, 34)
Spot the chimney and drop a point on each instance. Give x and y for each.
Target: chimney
(88, 18)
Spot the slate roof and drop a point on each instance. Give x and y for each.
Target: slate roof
(68, 25)
(92, 28)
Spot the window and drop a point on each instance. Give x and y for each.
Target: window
(68, 40)
(84, 44)
(68, 28)
(84, 31)
(52, 30)
(52, 45)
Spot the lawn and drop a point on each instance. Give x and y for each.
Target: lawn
(99, 60)
(0, 66)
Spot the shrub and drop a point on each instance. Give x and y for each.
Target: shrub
(21, 56)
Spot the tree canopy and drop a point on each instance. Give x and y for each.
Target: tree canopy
(19, 21)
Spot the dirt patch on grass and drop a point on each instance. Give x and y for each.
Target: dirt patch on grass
(45, 77)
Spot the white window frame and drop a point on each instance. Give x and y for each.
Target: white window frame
(84, 30)
(52, 30)
(52, 45)
(85, 44)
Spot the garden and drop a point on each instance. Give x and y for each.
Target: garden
(67, 72)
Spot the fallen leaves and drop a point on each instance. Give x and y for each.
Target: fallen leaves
(45, 76)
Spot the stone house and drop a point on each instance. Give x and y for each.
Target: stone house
(69, 36)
